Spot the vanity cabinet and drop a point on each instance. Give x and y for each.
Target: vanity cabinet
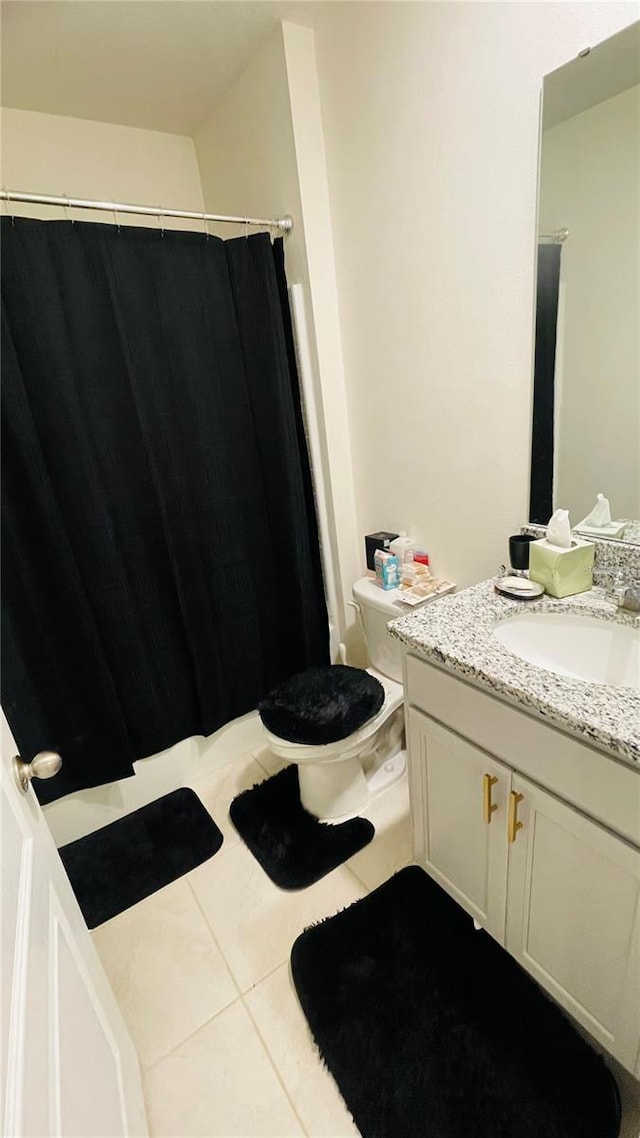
(573, 916)
(559, 889)
(463, 798)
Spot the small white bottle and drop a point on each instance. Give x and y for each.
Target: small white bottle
(402, 547)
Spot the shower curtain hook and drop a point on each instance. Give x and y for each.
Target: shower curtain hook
(67, 209)
(161, 220)
(115, 215)
(6, 206)
(206, 227)
(246, 228)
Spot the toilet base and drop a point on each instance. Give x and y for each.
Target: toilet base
(336, 791)
(388, 773)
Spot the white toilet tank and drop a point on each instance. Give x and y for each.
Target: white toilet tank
(377, 607)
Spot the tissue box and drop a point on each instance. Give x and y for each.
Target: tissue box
(562, 572)
(373, 541)
(387, 569)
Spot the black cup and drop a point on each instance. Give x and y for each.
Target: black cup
(519, 550)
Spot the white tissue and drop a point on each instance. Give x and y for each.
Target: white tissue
(600, 515)
(559, 530)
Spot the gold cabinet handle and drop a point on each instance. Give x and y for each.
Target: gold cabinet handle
(514, 825)
(488, 807)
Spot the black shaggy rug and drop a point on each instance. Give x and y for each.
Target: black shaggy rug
(431, 1030)
(120, 864)
(291, 845)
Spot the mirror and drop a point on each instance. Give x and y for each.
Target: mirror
(586, 404)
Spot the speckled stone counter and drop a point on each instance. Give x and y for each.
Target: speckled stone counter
(457, 631)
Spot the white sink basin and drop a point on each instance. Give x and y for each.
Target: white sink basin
(599, 651)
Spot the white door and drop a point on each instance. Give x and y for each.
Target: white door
(68, 1064)
(462, 813)
(573, 916)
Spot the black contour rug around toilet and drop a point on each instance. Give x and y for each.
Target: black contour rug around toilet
(291, 845)
(124, 862)
(431, 1030)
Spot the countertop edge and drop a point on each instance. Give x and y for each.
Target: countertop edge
(557, 700)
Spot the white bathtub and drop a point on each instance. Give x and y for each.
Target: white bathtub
(87, 810)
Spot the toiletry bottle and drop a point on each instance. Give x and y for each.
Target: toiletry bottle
(402, 547)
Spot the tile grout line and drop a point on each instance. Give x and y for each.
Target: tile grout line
(242, 1000)
(147, 1070)
(272, 1060)
(214, 939)
(267, 976)
(144, 1069)
(241, 992)
(358, 879)
(241, 997)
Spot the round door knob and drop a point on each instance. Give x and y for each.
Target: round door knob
(43, 765)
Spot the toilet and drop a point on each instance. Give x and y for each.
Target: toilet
(337, 779)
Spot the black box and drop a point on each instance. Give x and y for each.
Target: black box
(373, 541)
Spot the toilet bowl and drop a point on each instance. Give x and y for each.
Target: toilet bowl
(338, 779)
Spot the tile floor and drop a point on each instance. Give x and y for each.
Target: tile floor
(200, 970)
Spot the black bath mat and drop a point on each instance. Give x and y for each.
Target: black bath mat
(431, 1030)
(292, 846)
(120, 864)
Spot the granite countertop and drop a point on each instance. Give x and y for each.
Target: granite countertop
(457, 631)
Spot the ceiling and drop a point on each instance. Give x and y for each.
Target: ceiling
(163, 64)
(158, 65)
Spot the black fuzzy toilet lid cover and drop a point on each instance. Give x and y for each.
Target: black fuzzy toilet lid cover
(322, 705)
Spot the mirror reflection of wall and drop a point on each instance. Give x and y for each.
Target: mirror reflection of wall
(590, 188)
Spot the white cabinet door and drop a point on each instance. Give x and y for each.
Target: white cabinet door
(460, 834)
(573, 916)
(68, 1065)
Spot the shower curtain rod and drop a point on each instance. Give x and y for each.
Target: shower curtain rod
(556, 238)
(285, 224)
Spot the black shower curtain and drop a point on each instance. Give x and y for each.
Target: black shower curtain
(161, 566)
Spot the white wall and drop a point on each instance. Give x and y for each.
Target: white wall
(261, 153)
(53, 154)
(590, 184)
(430, 115)
(245, 149)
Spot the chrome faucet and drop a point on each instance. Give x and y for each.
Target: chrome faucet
(626, 594)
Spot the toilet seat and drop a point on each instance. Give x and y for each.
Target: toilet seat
(342, 749)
